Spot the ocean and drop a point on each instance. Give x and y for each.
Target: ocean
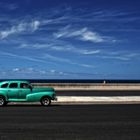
(77, 80)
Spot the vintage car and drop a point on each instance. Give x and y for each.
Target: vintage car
(23, 91)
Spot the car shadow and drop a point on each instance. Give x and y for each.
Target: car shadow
(31, 105)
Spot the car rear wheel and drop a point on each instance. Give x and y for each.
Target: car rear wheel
(2, 101)
(45, 101)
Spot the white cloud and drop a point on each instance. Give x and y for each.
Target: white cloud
(21, 27)
(89, 52)
(92, 36)
(123, 56)
(4, 34)
(87, 66)
(13, 30)
(16, 70)
(35, 25)
(62, 47)
(23, 70)
(83, 34)
(58, 20)
(116, 57)
(36, 46)
(70, 48)
(65, 60)
(52, 71)
(31, 72)
(41, 59)
(22, 57)
(54, 58)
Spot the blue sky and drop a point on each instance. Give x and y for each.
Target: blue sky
(63, 39)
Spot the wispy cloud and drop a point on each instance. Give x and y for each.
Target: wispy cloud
(34, 25)
(42, 59)
(66, 61)
(122, 56)
(60, 47)
(31, 73)
(108, 15)
(22, 57)
(89, 52)
(83, 34)
(54, 58)
(35, 46)
(8, 6)
(20, 28)
(34, 73)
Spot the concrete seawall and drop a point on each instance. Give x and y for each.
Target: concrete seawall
(88, 86)
(103, 88)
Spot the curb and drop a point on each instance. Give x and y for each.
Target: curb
(98, 99)
(70, 100)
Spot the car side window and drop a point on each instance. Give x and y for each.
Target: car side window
(4, 85)
(13, 85)
(24, 85)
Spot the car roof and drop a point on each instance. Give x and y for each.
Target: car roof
(14, 81)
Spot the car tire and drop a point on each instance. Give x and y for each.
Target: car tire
(45, 101)
(2, 101)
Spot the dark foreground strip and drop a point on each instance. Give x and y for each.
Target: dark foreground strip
(80, 122)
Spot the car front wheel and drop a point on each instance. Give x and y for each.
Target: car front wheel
(45, 101)
(2, 101)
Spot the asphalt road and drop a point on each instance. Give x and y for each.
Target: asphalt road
(98, 93)
(70, 122)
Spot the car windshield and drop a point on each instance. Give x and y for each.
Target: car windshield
(5, 85)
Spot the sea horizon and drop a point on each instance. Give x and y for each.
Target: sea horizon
(78, 80)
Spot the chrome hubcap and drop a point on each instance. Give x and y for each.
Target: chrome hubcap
(46, 101)
(1, 101)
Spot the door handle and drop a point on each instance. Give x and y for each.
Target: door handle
(8, 91)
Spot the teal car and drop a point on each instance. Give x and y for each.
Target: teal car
(23, 91)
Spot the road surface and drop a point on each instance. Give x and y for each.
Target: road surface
(70, 122)
(98, 93)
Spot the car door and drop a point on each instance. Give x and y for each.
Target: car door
(24, 90)
(13, 91)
